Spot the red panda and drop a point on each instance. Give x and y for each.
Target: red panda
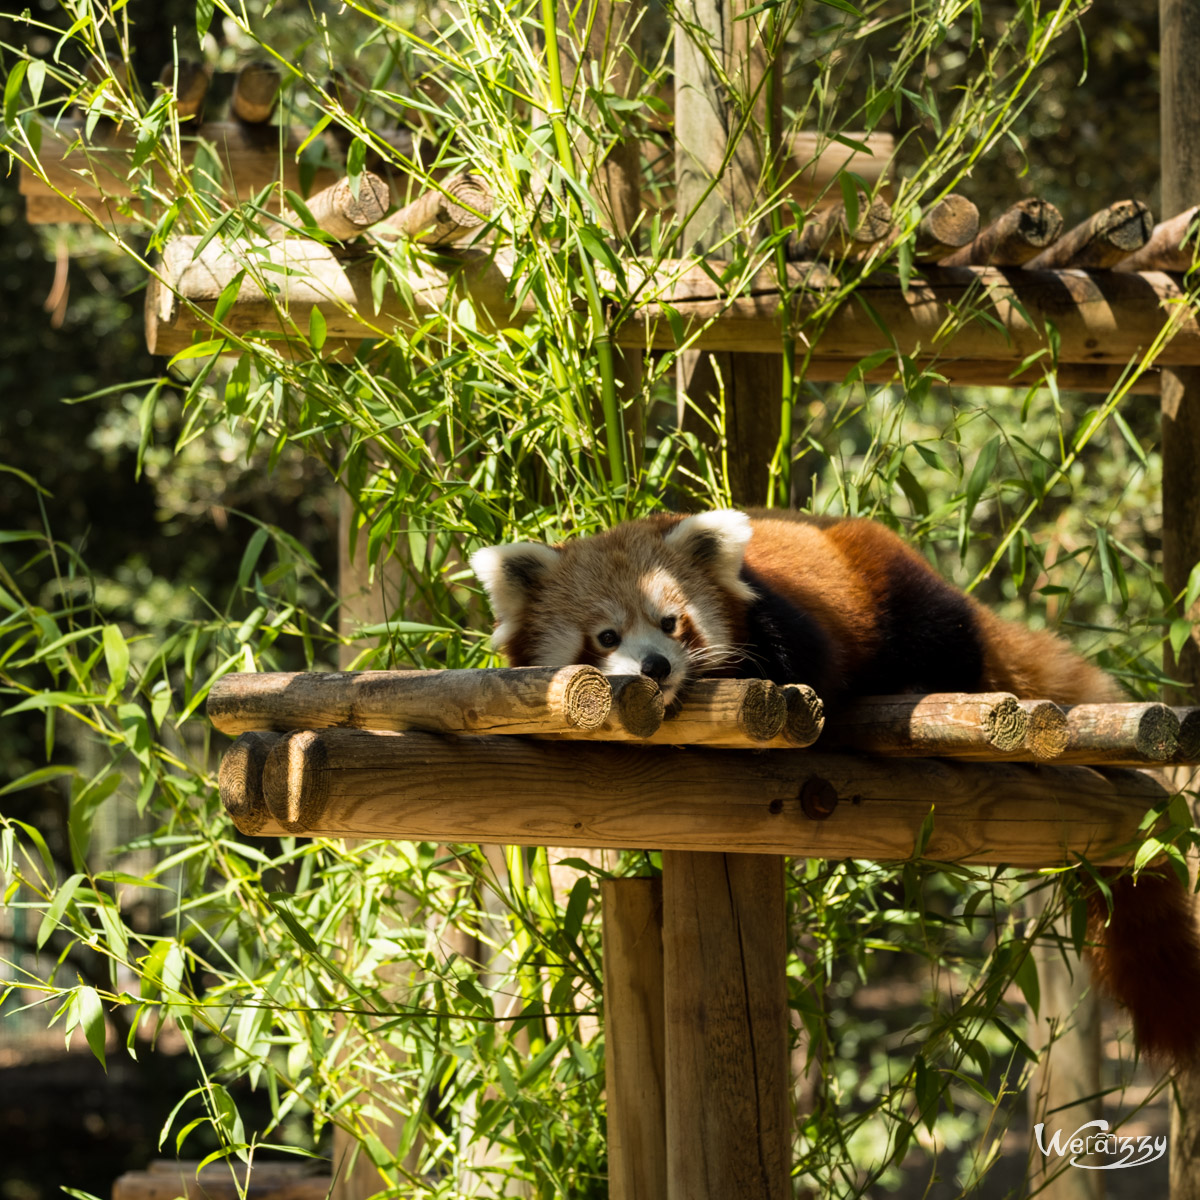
(846, 606)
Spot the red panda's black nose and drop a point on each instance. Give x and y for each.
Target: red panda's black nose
(657, 666)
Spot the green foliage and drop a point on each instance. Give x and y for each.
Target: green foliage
(435, 1002)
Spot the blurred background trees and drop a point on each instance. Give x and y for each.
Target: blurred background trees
(165, 544)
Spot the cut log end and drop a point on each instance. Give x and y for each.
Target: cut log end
(1013, 238)
(1158, 733)
(1048, 734)
(953, 222)
(805, 715)
(1189, 735)
(637, 705)
(1006, 724)
(255, 91)
(240, 780)
(189, 83)
(294, 783)
(584, 696)
(763, 710)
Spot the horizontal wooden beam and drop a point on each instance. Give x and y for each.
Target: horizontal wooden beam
(975, 372)
(353, 783)
(1101, 318)
(96, 172)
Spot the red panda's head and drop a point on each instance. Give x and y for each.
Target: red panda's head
(656, 597)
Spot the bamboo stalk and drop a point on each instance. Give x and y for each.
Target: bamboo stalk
(457, 208)
(503, 700)
(353, 783)
(1017, 235)
(1165, 250)
(1101, 241)
(255, 93)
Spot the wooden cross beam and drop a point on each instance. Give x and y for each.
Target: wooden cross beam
(1103, 319)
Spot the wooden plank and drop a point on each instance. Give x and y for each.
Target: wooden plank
(1103, 318)
(352, 783)
(634, 1038)
(97, 172)
(222, 1181)
(829, 233)
(189, 82)
(724, 963)
(255, 92)
(721, 71)
(970, 372)
(949, 225)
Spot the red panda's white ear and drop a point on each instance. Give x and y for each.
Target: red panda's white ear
(716, 542)
(509, 574)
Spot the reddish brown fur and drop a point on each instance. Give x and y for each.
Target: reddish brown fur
(844, 573)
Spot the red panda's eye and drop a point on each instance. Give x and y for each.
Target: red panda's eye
(608, 638)
(667, 624)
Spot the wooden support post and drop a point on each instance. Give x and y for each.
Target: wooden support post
(1065, 1033)
(1179, 42)
(717, 86)
(727, 1088)
(634, 1038)
(605, 37)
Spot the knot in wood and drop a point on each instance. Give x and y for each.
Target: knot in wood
(818, 798)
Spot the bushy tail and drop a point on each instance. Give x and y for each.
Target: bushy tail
(1146, 956)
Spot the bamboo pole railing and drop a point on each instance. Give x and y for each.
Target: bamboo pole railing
(1102, 318)
(579, 703)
